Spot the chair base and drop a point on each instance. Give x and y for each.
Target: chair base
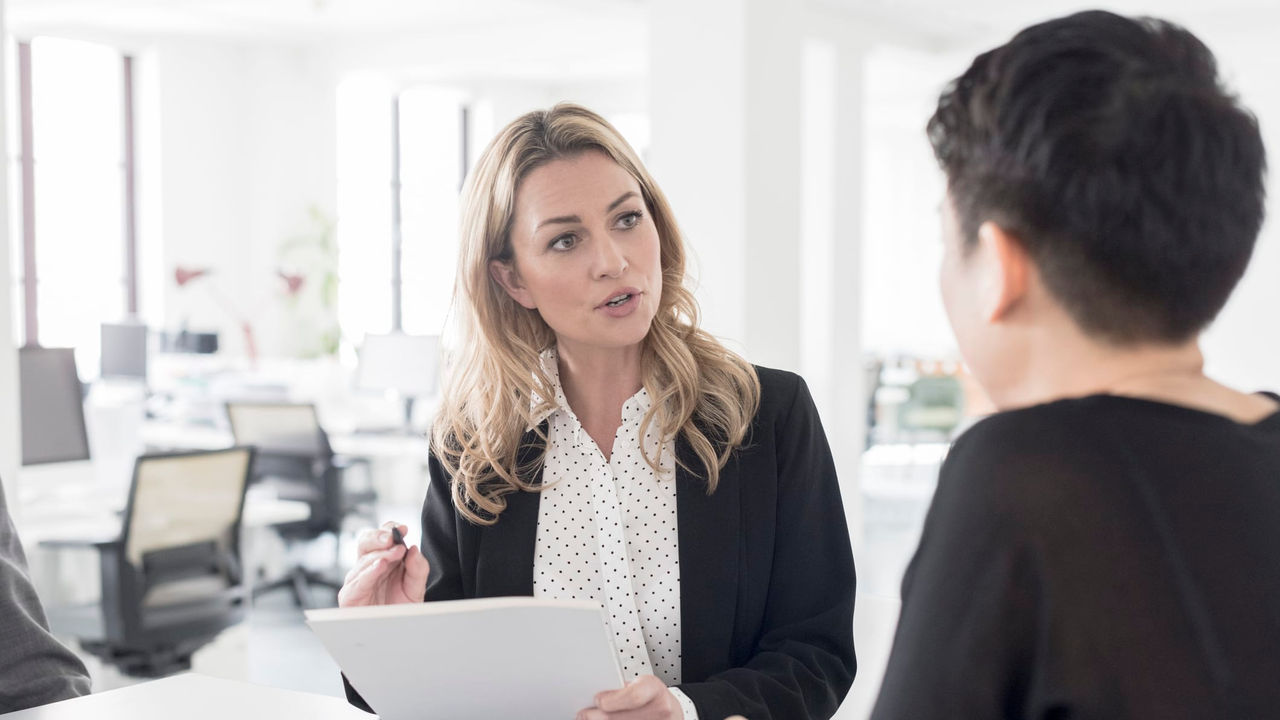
(298, 581)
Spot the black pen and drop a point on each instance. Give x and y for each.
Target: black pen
(396, 537)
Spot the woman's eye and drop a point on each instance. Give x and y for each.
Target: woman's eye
(630, 220)
(564, 242)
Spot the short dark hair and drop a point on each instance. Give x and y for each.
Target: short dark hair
(1109, 147)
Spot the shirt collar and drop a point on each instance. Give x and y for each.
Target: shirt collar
(551, 367)
(634, 408)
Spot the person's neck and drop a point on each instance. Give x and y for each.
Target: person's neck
(598, 381)
(1061, 365)
(1068, 364)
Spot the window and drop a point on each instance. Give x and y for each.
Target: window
(431, 174)
(364, 207)
(76, 93)
(413, 144)
(428, 149)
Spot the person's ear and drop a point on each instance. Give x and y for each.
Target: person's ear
(1006, 273)
(505, 274)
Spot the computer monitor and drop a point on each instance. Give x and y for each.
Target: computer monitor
(278, 428)
(124, 351)
(405, 364)
(53, 428)
(185, 341)
(400, 363)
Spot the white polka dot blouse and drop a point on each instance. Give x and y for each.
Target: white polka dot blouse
(607, 533)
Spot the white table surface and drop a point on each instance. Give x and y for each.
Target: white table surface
(350, 444)
(191, 696)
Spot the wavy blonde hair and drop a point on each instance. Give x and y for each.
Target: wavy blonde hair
(496, 384)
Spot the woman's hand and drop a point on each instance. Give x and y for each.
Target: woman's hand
(386, 573)
(645, 698)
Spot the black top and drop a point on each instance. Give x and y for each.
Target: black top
(1103, 557)
(767, 578)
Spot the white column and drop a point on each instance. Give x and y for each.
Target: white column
(757, 139)
(10, 430)
(725, 78)
(847, 392)
(831, 253)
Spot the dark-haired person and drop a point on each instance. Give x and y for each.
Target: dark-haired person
(34, 668)
(1108, 545)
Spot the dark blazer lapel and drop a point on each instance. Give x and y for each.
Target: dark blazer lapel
(709, 527)
(504, 558)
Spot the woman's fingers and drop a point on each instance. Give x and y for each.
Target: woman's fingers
(363, 588)
(361, 563)
(634, 694)
(645, 698)
(416, 569)
(378, 557)
(389, 557)
(371, 539)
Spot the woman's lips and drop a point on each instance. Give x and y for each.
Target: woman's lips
(624, 308)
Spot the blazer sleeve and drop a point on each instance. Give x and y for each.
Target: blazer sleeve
(804, 663)
(440, 525)
(36, 668)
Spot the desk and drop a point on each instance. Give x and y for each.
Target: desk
(173, 436)
(395, 462)
(195, 697)
(89, 516)
(78, 516)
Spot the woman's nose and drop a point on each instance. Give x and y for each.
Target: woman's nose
(610, 260)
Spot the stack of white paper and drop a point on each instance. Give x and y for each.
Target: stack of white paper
(489, 658)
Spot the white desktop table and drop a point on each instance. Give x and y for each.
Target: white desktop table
(350, 444)
(195, 697)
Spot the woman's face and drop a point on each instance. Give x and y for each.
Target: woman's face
(586, 253)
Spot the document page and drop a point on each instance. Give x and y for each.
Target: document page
(487, 658)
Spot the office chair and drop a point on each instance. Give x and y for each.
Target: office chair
(293, 458)
(172, 580)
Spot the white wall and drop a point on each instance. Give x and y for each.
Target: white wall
(757, 113)
(246, 147)
(902, 312)
(1242, 348)
(725, 111)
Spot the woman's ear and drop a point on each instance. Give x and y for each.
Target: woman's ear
(505, 274)
(1006, 273)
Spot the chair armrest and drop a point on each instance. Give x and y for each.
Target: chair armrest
(342, 462)
(100, 542)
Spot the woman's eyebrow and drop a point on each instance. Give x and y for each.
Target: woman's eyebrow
(571, 219)
(620, 200)
(562, 220)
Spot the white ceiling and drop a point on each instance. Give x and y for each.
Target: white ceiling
(967, 22)
(571, 38)
(300, 19)
(563, 40)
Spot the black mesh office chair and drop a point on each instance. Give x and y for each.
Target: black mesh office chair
(172, 580)
(293, 458)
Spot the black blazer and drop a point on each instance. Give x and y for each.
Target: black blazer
(767, 577)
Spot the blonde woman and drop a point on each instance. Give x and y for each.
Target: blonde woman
(594, 443)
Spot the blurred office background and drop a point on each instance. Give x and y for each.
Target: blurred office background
(233, 221)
